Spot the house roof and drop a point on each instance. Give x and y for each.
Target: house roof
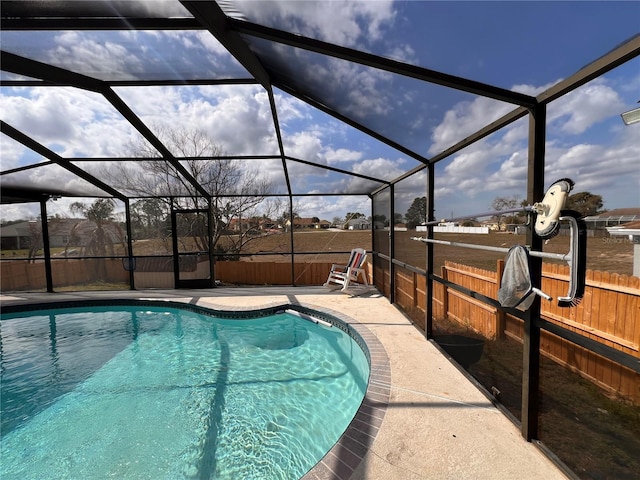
(629, 228)
(303, 221)
(619, 215)
(58, 226)
(619, 212)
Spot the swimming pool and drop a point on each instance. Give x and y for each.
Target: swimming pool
(148, 391)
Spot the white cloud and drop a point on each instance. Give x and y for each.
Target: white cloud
(464, 119)
(291, 109)
(11, 153)
(579, 146)
(470, 163)
(238, 118)
(341, 155)
(512, 174)
(80, 52)
(303, 145)
(579, 110)
(612, 171)
(383, 168)
(328, 207)
(17, 211)
(343, 22)
(69, 121)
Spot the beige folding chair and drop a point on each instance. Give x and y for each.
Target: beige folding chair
(350, 276)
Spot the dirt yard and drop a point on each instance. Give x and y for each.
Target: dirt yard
(613, 255)
(606, 254)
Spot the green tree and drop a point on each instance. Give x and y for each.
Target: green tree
(380, 220)
(353, 215)
(585, 203)
(398, 218)
(417, 213)
(98, 234)
(148, 218)
(283, 219)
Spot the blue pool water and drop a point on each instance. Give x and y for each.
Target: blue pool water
(145, 392)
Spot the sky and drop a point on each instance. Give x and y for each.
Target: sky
(521, 46)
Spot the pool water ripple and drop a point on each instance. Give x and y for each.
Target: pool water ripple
(175, 395)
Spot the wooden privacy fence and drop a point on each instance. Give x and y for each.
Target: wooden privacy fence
(249, 273)
(609, 313)
(272, 273)
(23, 275)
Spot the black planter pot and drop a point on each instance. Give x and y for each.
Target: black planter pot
(464, 350)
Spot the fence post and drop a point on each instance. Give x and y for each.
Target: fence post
(501, 318)
(445, 296)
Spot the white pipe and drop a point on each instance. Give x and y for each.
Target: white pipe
(527, 208)
(572, 257)
(556, 256)
(304, 316)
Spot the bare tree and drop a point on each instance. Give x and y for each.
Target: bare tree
(504, 203)
(237, 192)
(35, 240)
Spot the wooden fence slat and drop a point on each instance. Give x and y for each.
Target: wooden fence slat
(602, 315)
(609, 337)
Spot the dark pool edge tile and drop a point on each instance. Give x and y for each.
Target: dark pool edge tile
(343, 459)
(364, 427)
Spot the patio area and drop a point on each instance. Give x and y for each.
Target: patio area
(437, 424)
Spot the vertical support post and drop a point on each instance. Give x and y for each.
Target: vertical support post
(428, 324)
(531, 350)
(127, 219)
(501, 317)
(176, 256)
(46, 244)
(210, 232)
(392, 247)
(445, 292)
(374, 247)
(293, 249)
(414, 290)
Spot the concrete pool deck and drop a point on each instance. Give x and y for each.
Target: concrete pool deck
(436, 424)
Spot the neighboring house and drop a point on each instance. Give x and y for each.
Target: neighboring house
(19, 235)
(302, 223)
(322, 224)
(618, 216)
(239, 224)
(16, 236)
(268, 225)
(491, 224)
(357, 224)
(378, 225)
(629, 232)
(254, 223)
